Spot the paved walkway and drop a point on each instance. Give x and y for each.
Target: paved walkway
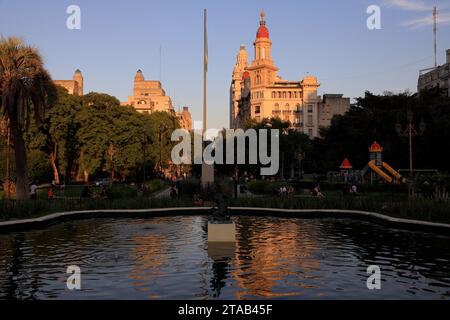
(162, 194)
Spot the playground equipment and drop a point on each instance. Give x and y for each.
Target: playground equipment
(377, 165)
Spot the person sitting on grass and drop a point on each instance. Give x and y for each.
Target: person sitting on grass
(317, 193)
(198, 199)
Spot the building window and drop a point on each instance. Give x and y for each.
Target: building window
(310, 133)
(310, 108)
(277, 106)
(290, 95)
(279, 94)
(274, 94)
(257, 109)
(310, 119)
(284, 94)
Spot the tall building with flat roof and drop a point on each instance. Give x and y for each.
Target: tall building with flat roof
(258, 92)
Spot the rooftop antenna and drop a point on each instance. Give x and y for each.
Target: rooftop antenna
(435, 34)
(160, 64)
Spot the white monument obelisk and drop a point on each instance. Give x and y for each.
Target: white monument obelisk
(207, 170)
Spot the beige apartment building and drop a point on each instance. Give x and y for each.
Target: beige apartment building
(149, 96)
(257, 92)
(74, 86)
(436, 78)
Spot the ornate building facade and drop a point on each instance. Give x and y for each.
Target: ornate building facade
(149, 96)
(257, 92)
(74, 86)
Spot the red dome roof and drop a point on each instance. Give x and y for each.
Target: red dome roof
(246, 75)
(346, 164)
(375, 147)
(263, 32)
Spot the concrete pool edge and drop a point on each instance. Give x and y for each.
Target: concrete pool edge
(44, 221)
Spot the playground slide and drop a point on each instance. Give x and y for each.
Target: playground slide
(397, 175)
(380, 172)
(385, 176)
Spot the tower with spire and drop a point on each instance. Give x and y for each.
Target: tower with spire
(258, 92)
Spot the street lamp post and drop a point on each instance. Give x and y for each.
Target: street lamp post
(410, 132)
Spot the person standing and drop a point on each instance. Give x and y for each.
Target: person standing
(33, 190)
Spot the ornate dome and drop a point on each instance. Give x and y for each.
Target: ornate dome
(263, 32)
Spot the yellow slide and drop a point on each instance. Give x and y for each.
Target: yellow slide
(397, 175)
(378, 171)
(385, 176)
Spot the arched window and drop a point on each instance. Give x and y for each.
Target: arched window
(277, 107)
(279, 94)
(274, 94)
(287, 106)
(290, 95)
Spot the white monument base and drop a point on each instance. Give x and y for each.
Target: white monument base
(221, 232)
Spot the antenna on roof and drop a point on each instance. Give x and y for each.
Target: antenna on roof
(435, 35)
(160, 64)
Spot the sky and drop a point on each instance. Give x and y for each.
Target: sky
(325, 38)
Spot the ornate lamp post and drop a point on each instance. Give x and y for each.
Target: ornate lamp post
(410, 132)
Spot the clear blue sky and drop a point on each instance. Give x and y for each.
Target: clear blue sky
(328, 39)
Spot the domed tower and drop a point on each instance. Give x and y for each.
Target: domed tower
(78, 78)
(262, 43)
(139, 76)
(241, 63)
(237, 83)
(262, 70)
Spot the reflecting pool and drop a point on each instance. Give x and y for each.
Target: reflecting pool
(273, 258)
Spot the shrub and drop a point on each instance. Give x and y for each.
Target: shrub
(120, 191)
(156, 185)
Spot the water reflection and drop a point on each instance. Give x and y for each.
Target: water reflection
(221, 255)
(170, 258)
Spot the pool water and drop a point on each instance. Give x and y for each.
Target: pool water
(273, 258)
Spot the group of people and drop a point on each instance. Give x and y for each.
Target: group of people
(316, 192)
(51, 191)
(350, 189)
(286, 191)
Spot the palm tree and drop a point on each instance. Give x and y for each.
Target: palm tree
(26, 89)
